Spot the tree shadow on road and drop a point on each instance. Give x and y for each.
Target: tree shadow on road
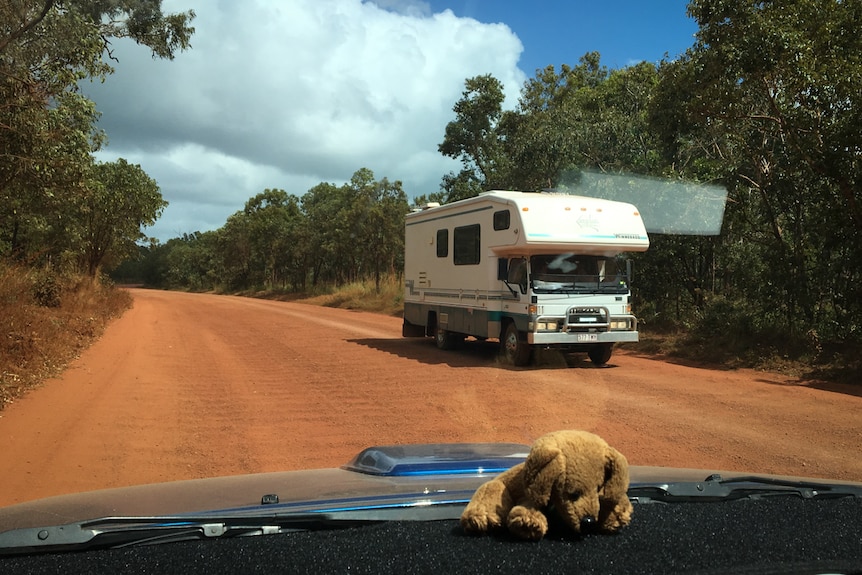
(804, 380)
(473, 353)
(845, 388)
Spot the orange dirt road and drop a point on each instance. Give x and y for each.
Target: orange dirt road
(186, 386)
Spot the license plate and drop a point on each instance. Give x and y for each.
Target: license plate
(588, 337)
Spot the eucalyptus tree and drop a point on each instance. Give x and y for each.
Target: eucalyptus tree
(582, 116)
(475, 138)
(236, 254)
(323, 207)
(553, 127)
(47, 127)
(121, 199)
(379, 212)
(354, 231)
(276, 236)
(768, 99)
(187, 262)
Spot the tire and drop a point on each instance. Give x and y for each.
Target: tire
(600, 354)
(446, 339)
(514, 346)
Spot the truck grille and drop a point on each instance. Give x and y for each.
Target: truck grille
(587, 319)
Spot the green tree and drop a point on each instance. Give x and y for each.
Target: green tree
(473, 138)
(768, 98)
(122, 198)
(234, 246)
(275, 235)
(141, 20)
(584, 116)
(47, 127)
(556, 116)
(323, 207)
(423, 199)
(191, 262)
(378, 210)
(354, 231)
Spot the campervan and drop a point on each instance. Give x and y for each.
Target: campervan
(532, 269)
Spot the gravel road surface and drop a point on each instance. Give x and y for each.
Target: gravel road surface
(186, 386)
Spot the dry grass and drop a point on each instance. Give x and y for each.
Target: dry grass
(365, 296)
(46, 319)
(362, 296)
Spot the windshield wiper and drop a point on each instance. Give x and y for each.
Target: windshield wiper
(715, 488)
(113, 532)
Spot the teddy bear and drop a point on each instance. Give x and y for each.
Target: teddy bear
(573, 474)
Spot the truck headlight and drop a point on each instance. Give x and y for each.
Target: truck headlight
(548, 325)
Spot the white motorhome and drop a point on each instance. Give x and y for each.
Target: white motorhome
(533, 269)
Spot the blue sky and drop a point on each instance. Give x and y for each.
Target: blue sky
(561, 31)
(290, 93)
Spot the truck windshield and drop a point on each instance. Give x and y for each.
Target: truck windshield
(576, 273)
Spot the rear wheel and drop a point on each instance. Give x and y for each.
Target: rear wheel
(446, 339)
(516, 350)
(600, 354)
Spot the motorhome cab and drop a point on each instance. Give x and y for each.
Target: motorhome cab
(533, 269)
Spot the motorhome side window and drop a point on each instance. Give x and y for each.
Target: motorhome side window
(465, 247)
(442, 243)
(501, 220)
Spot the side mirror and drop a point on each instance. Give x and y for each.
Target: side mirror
(517, 271)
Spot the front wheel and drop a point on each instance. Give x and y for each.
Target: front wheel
(600, 354)
(515, 348)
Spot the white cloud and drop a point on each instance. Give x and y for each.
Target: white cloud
(406, 7)
(289, 94)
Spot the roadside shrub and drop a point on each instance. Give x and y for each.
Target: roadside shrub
(45, 321)
(650, 319)
(722, 317)
(47, 289)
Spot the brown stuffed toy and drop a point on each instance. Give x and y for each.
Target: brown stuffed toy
(576, 473)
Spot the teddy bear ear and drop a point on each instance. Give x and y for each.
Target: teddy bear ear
(616, 474)
(544, 466)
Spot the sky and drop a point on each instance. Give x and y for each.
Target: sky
(291, 93)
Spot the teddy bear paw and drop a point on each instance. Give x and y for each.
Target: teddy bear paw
(619, 517)
(527, 523)
(478, 521)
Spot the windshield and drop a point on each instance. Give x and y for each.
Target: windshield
(577, 273)
(260, 238)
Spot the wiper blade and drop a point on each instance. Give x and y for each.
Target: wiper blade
(716, 488)
(112, 532)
